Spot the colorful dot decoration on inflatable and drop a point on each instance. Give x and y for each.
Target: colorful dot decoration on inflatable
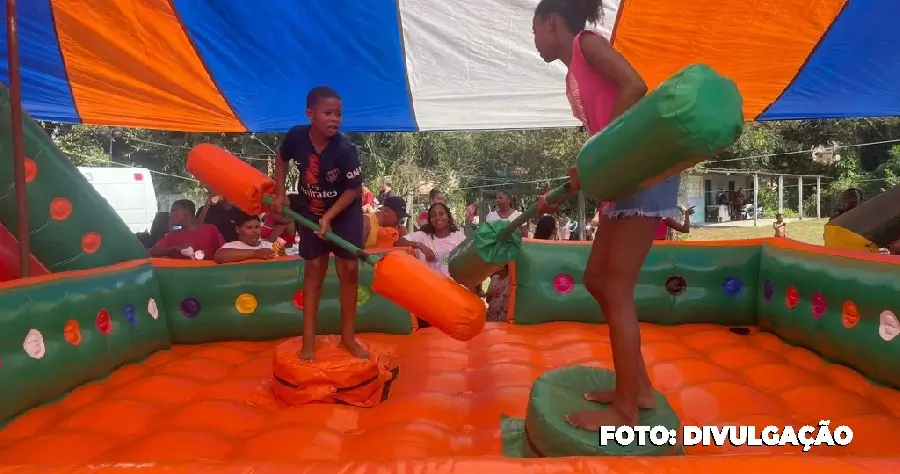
(189, 308)
(733, 286)
(298, 299)
(791, 297)
(849, 315)
(362, 295)
(152, 310)
(130, 314)
(676, 285)
(90, 242)
(30, 170)
(819, 305)
(36, 348)
(245, 303)
(888, 325)
(72, 332)
(563, 283)
(60, 209)
(103, 322)
(768, 290)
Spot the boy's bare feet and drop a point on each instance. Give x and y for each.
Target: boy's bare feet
(308, 351)
(354, 348)
(646, 400)
(592, 420)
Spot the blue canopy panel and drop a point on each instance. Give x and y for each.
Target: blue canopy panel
(45, 87)
(264, 56)
(853, 72)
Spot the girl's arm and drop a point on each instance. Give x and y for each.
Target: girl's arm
(683, 227)
(401, 242)
(601, 56)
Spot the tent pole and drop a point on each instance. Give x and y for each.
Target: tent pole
(15, 110)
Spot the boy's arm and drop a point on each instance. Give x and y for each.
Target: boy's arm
(352, 179)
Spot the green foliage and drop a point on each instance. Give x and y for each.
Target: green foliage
(525, 163)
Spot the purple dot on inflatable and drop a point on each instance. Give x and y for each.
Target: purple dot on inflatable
(189, 308)
(768, 290)
(563, 284)
(818, 305)
(733, 286)
(130, 313)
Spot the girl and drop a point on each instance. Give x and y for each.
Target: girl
(545, 228)
(601, 85)
(497, 296)
(437, 238)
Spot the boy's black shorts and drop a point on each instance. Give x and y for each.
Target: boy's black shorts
(348, 225)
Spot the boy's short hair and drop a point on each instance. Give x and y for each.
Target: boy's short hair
(242, 218)
(318, 93)
(187, 205)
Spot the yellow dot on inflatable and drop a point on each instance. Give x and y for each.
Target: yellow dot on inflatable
(245, 303)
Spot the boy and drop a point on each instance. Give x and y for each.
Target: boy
(330, 187)
(780, 226)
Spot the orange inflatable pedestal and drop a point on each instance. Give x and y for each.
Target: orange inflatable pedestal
(335, 376)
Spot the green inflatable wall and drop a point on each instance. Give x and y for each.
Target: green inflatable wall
(679, 284)
(799, 292)
(60, 333)
(846, 310)
(80, 215)
(209, 311)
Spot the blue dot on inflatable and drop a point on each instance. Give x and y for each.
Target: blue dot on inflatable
(733, 286)
(130, 314)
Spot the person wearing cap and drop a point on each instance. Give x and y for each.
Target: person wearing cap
(383, 228)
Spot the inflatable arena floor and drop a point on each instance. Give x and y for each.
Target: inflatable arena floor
(166, 365)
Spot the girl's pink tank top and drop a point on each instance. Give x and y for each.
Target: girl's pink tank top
(662, 231)
(591, 94)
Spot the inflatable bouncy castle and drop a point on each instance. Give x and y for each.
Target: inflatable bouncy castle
(111, 362)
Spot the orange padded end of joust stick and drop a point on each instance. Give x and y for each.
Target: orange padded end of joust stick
(230, 177)
(414, 286)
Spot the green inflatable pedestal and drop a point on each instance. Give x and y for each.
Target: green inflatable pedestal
(561, 392)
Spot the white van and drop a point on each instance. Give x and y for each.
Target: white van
(129, 192)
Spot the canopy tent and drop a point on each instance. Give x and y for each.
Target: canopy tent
(404, 65)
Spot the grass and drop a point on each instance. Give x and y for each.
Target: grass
(807, 230)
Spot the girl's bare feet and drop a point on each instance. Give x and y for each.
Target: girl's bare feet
(646, 401)
(354, 348)
(592, 420)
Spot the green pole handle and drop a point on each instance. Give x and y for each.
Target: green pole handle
(329, 236)
(556, 194)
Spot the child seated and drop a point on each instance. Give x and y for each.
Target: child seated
(248, 246)
(383, 228)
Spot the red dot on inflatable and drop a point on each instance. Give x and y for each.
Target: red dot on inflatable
(298, 299)
(104, 325)
(792, 298)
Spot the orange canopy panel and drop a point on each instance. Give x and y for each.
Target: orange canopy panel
(238, 65)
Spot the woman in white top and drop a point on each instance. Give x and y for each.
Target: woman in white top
(436, 239)
(249, 244)
(505, 211)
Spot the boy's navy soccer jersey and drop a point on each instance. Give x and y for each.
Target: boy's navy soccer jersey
(323, 178)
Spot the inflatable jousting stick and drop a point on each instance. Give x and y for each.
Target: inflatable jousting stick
(400, 277)
(692, 115)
